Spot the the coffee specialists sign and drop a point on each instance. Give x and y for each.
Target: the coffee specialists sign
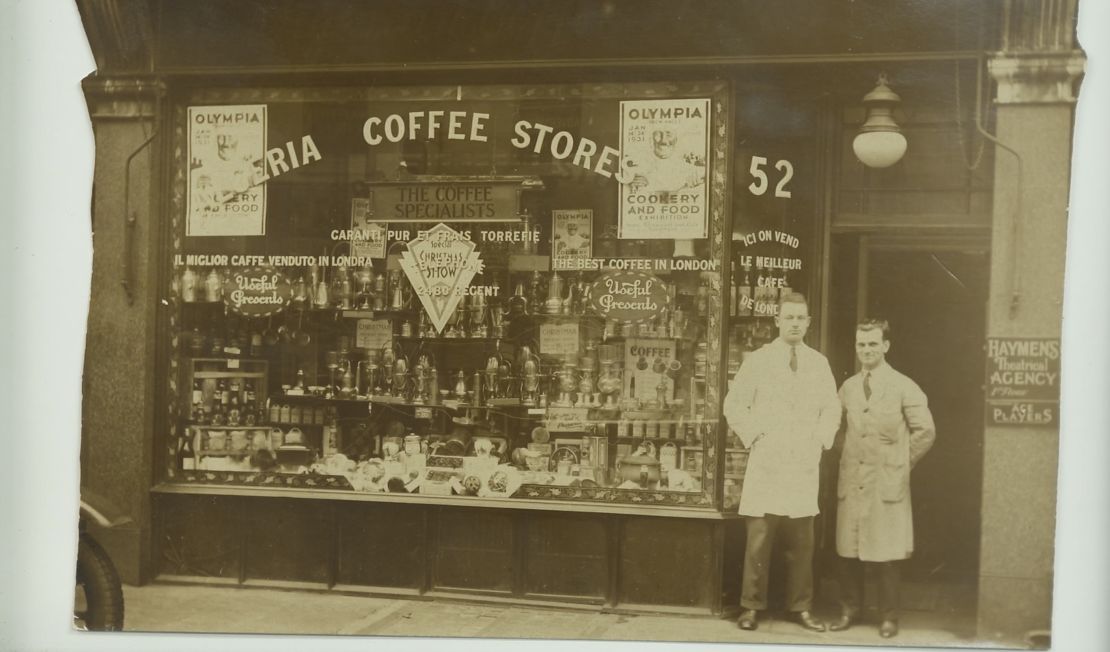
(1023, 381)
(448, 201)
(257, 291)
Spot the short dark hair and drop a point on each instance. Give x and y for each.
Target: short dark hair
(793, 297)
(871, 324)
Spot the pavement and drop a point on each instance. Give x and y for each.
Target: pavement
(162, 607)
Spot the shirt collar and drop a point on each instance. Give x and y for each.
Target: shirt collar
(786, 347)
(880, 372)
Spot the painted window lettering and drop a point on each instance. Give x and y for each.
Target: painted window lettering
(762, 183)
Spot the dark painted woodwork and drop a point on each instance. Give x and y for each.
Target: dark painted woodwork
(565, 555)
(197, 535)
(380, 545)
(608, 559)
(474, 549)
(666, 562)
(214, 34)
(287, 540)
(732, 563)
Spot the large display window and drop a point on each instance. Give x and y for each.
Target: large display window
(481, 292)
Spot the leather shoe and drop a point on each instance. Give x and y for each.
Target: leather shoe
(888, 629)
(748, 620)
(806, 620)
(846, 620)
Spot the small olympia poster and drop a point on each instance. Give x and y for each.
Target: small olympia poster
(226, 149)
(665, 154)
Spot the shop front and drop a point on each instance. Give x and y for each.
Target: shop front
(437, 321)
(450, 329)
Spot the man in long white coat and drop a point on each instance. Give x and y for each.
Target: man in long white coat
(889, 429)
(783, 405)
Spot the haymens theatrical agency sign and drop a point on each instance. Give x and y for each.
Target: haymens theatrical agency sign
(257, 291)
(628, 296)
(440, 263)
(1023, 381)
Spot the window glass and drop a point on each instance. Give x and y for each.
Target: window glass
(432, 291)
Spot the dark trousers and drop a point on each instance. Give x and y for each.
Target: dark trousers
(852, 572)
(797, 536)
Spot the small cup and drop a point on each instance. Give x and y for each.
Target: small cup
(217, 440)
(277, 437)
(238, 440)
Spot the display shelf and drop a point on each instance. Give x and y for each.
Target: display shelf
(447, 340)
(225, 453)
(219, 360)
(622, 338)
(312, 398)
(194, 424)
(544, 316)
(371, 314)
(529, 263)
(677, 440)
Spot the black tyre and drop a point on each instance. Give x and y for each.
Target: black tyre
(99, 596)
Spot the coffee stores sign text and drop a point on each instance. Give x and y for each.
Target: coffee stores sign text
(465, 125)
(661, 166)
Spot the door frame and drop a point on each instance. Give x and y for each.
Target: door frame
(967, 243)
(869, 243)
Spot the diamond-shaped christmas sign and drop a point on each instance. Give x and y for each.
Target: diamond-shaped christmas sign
(440, 263)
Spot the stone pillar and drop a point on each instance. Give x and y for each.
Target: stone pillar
(1037, 74)
(119, 385)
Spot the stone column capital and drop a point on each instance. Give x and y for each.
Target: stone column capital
(1037, 77)
(128, 97)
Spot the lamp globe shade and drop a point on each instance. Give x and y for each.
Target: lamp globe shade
(879, 149)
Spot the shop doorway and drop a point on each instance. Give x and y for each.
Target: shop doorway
(934, 292)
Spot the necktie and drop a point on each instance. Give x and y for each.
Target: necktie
(867, 385)
(793, 358)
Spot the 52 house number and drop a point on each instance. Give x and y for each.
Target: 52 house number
(762, 183)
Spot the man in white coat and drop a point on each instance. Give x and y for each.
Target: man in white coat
(783, 405)
(889, 429)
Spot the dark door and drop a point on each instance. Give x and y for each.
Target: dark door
(935, 297)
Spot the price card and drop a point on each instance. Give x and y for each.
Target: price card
(559, 339)
(423, 413)
(373, 333)
(564, 419)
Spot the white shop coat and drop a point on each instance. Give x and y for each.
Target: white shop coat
(887, 434)
(797, 414)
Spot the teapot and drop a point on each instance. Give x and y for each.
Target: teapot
(630, 467)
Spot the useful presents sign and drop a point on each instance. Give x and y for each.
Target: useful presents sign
(455, 201)
(1023, 381)
(440, 263)
(628, 296)
(257, 291)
